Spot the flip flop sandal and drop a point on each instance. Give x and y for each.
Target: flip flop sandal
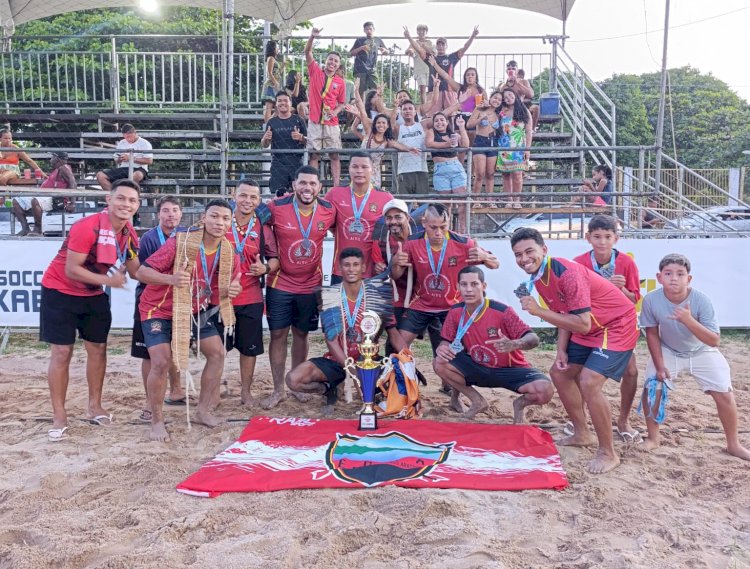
(445, 390)
(145, 416)
(630, 438)
(100, 420)
(170, 401)
(56, 435)
(569, 429)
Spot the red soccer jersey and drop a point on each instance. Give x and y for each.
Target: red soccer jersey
(82, 238)
(567, 287)
(624, 265)
(437, 293)
(494, 321)
(252, 293)
(156, 300)
(378, 256)
(301, 271)
(350, 234)
(324, 91)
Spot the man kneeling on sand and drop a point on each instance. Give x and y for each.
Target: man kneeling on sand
(209, 266)
(482, 346)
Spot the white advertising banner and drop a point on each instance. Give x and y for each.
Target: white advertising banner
(718, 269)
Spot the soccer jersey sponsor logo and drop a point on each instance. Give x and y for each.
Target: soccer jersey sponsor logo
(483, 356)
(356, 230)
(302, 251)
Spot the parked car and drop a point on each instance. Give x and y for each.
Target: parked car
(552, 224)
(717, 219)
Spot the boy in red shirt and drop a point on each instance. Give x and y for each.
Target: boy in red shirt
(327, 93)
(97, 253)
(358, 207)
(597, 333)
(482, 345)
(156, 308)
(621, 271)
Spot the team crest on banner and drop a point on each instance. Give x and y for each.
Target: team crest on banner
(372, 460)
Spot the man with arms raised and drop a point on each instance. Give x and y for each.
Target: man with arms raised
(300, 223)
(597, 332)
(254, 242)
(168, 214)
(343, 336)
(437, 255)
(358, 207)
(482, 345)
(97, 252)
(327, 93)
(213, 275)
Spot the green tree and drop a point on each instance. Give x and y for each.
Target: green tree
(633, 126)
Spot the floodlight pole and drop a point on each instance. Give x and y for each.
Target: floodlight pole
(662, 101)
(225, 92)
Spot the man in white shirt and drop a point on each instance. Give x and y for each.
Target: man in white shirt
(142, 158)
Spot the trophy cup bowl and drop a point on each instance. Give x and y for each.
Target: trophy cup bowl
(368, 371)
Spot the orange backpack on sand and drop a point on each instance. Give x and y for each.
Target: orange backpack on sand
(400, 388)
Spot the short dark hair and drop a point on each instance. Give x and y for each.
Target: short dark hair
(126, 183)
(511, 63)
(368, 24)
(360, 154)
(408, 102)
(282, 93)
(604, 222)
(438, 210)
(351, 252)
(336, 53)
(4, 130)
(471, 269)
(307, 169)
(218, 202)
(523, 233)
(126, 128)
(675, 259)
(168, 199)
(248, 181)
(606, 170)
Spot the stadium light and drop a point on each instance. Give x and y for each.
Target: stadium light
(149, 6)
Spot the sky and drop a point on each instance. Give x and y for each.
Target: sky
(709, 36)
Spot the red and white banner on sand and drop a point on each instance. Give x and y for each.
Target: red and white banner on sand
(287, 453)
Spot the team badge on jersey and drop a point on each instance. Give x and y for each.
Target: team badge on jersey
(492, 332)
(321, 226)
(373, 207)
(452, 261)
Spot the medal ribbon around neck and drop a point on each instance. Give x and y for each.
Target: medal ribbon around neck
(240, 245)
(305, 232)
(160, 233)
(208, 277)
(598, 268)
(463, 328)
(358, 212)
(436, 272)
(351, 318)
(545, 263)
(122, 254)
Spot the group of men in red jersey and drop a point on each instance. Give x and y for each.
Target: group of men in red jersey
(437, 283)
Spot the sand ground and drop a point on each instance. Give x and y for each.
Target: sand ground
(104, 498)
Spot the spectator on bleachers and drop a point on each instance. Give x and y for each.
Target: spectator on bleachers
(296, 89)
(327, 98)
(61, 177)
(365, 53)
(598, 186)
(470, 92)
(449, 175)
(376, 134)
(404, 95)
(444, 60)
(10, 170)
(649, 219)
(421, 69)
(514, 132)
(409, 140)
(486, 122)
(284, 131)
(142, 159)
(272, 83)
(516, 81)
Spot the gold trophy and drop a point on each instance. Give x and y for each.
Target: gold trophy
(368, 370)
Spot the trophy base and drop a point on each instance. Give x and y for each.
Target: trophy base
(368, 421)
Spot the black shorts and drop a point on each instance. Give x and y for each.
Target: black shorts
(608, 363)
(137, 344)
(281, 178)
(114, 174)
(417, 321)
(61, 315)
(512, 378)
(333, 371)
(413, 183)
(285, 309)
(248, 330)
